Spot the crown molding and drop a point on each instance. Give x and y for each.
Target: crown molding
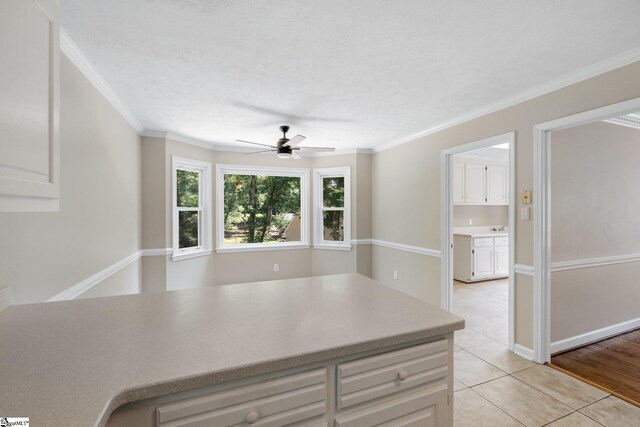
(75, 55)
(582, 74)
(213, 146)
(73, 52)
(628, 120)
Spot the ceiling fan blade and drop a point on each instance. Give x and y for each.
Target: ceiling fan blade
(295, 155)
(256, 143)
(260, 152)
(294, 141)
(314, 148)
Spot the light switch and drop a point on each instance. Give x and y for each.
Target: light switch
(525, 213)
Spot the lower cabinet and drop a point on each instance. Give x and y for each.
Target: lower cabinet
(480, 258)
(409, 386)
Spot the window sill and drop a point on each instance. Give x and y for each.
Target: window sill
(261, 247)
(192, 254)
(333, 247)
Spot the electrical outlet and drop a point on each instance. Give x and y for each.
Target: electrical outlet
(395, 274)
(276, 267)
(470, 221)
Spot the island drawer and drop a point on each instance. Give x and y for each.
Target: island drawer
(479, 242)
(501, 241)
(381, 375)
(282, 401)
(426, 407)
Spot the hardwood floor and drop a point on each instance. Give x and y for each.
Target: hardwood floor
(613, 363)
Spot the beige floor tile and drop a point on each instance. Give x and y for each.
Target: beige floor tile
(467, 338)
(471, 410)
(456, 348)
(566, 389)
(575, 420)
(457, 385)
(499, 356)
(471, 370)
(523, 402)
(613, 412)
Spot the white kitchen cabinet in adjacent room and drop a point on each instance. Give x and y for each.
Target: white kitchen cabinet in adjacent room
(477, 182)
(480, 257)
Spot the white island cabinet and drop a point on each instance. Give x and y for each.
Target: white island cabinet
(339, 350)
(480, 256)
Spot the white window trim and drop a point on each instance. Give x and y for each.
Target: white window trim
(318, 237)
(205, 199)
(303, 174)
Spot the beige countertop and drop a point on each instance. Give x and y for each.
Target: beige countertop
(72, 363)
(479, 232)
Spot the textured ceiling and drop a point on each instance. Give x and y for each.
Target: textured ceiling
(356, 73)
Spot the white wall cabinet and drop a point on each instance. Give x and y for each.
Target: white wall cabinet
(480, 258)
(29, 101)
(480, 183)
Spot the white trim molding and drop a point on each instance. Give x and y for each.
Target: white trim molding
(362, 241)
(593, 336)
(446, 215)
(526, 270)
(91, 281)
(542, 215)
(408, 248)
(78, 58)
(582, 74)
(319, 241)
(157, 252)
(594, 262)
(305, 220)
(88, 283)
(523, 351)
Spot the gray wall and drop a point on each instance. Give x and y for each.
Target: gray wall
(161, 272)
(42, 254)
(595, 199)
(406, 185)
(481, 215)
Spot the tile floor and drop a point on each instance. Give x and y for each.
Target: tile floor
(493, 387)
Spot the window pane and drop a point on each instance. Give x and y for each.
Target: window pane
(188, 223)
(333, 192)
(261, 209)
(333, 223)
(187, 188)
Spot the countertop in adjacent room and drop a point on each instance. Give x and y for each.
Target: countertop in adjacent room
(73, 362)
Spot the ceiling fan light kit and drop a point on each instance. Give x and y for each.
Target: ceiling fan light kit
(286, 148)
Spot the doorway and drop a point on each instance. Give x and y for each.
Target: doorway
(595, 255)
(478, 217)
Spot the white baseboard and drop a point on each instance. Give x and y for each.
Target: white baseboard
(523, 351)
(597, 335)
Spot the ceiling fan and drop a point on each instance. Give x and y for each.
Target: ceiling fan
(286, 148)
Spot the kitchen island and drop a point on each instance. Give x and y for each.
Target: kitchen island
(311, 351)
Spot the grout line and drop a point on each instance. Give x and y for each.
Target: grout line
(497, 407)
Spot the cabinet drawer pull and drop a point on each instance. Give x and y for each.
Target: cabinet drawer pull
(403, 375)
(251, 417)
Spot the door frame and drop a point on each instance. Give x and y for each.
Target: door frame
(542, 216)
(446, 217)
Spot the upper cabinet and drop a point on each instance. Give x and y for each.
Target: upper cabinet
(477, 182)
(29, 105)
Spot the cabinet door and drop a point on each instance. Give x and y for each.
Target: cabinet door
(501, 260)
(483, 262)
(474, 183)
(458, 183)
(29, 101)
(423, 408)
(496, 185)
